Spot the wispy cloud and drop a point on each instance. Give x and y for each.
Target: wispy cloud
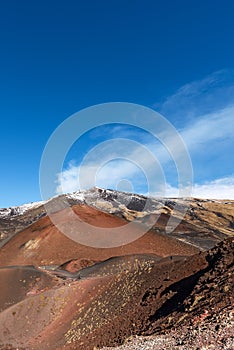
(109, 177)
(109, 163)
(204, 113)
(222, 188)
(214, 92)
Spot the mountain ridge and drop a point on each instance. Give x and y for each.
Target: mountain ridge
(57, 293)
(130, 207)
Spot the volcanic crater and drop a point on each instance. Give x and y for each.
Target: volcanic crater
(57, 293)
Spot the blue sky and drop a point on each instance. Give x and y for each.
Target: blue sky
(59, 57)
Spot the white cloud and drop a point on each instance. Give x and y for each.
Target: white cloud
(204, 96)
(67, 180)
(205, 131)
(219, 188)
(209, 127)
(208, 108)
(108, 164)
(222, 188)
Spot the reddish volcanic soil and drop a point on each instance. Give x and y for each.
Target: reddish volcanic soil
(119, 298)
(43, 244)
(80, 297)
(19, 282)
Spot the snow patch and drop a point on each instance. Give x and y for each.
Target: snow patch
(20, 210)
(77, 196)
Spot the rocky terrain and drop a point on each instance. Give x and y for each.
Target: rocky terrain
(206, 221)
(164, 290)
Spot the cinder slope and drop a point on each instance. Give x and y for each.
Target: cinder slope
(43, 244)
(206, 221)
(118, 298)
(90, 297)
(17, 283)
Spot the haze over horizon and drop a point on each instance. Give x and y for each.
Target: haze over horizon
(59, 58)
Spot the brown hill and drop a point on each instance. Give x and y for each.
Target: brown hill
(43, 244)
(59, 294)
(121, 297)
(206, 221)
